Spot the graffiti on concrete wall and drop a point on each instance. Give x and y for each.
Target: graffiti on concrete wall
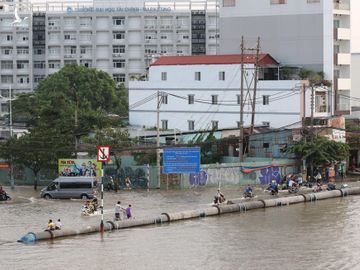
(268, 174)
(198, 179)
(228, 175)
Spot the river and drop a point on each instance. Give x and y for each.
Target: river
(320, 235)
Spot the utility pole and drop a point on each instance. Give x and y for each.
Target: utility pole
(312, 128)
(159, 99)
(241, 123)
(12, 181)
(255, 86)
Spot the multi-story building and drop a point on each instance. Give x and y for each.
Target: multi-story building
(204, 93)
(118, 37)
(314, 34)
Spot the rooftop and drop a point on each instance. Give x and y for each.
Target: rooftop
(225, 59)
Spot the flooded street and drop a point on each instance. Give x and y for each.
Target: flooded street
(320, 235)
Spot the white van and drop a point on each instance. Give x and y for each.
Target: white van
(66, 187)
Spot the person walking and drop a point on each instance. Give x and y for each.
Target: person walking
(118, 211)
(58, 224)
(51, 225)
(128, 212)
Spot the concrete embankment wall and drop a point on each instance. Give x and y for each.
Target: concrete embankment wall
(235, 206)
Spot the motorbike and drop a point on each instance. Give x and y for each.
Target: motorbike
(248, 195)
(273, 190)
(4, 197)
(293, 189)
(331, 186)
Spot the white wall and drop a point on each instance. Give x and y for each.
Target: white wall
(284, 107)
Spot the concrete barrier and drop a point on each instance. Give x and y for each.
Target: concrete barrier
(190, 214)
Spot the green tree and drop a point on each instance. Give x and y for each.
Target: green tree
(65, 107)
(37, 150)
(320, 151)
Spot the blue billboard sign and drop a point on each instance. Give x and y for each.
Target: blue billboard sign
(181, 160)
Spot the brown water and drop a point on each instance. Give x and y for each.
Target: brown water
(321, 235)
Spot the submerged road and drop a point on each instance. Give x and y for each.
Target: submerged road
(320, 235)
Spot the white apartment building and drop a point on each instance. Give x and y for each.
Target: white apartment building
(314, 34)
(203, 92)
(119, 37)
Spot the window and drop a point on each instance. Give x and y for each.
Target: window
(215, 125)
(163, 76)
(336, 23)
(85, 21)
(118, 34)
(22, 79)
(22, 64)
(119, 78)
(119, 21)
(119, 63)
(22, 50)
(38, 78)
(6, 79)
(85, 50)
(214, 99)
(9, 37)
(229, 3)
(238, 99)
(163, 37)
(86, 63)
(118, 49)
(266, 100)
(54, 64)
(6, 51)
(191, 124)
(197, 76)
(6, 64)
(164, 124)
(39, 64)
(221, 75)
(40, 51)
(278, 2)
(164, 98)
(191, 99)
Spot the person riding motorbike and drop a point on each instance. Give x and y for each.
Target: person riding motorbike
(248, 193)
(292, 186)
(317, 188)
(3, 195)
(219, 197)
(273, 187)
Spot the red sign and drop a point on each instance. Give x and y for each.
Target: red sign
(4, 165)
(103, 153)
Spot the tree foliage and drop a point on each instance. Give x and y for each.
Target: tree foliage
(320, 151)
(65, 107)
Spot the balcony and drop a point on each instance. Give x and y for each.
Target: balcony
(69, 56)
(343, 84)
(341, 8)
(342, 59)
(342, 34)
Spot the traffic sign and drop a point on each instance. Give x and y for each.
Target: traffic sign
(103, 153)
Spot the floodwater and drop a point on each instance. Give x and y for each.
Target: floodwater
(320, 235)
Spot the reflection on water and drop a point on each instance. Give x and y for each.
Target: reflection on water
(321, 235)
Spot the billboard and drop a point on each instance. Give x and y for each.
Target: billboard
(181, 160)
(79, 167)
